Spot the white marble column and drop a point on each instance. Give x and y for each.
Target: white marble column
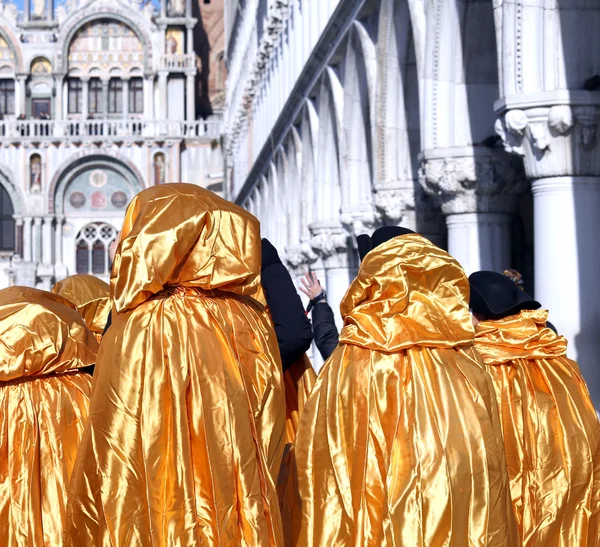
(27, 6)
(163, 9)
(557, 138)
(125, 97)
(27, 239)
(477, 190)
(105, 84)
(162, 95)
(37, 239)
(85, 103)
(49, 10)
(149, 97)
(21, 95)
(47, 240)
(58, 99)
(190, 96)
(18, 235)
(480, 241)
(58, 248)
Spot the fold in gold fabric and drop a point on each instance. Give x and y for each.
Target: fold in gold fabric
(91, 297)
(187, 424)
(44, 403)
(400, 442)
(551, 431)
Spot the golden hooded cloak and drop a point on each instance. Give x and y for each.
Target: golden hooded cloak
(91, 297)
(551, 431)
(400, 443)
(187, 423)
(44, 403)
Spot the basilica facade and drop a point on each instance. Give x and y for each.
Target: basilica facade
(473, 122)
(99, 99)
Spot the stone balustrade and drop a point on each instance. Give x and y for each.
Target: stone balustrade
(106, 129)
(185, 61)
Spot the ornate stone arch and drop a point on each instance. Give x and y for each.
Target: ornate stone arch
(16, 194)
(309, 131)
(13, 42)
(397, 127)
(356, 167)
(327, 194)
(82, 161)
(100, 11)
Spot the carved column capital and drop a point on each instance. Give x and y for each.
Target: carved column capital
(472, 179)
(555, 133)
(358, 220)
(393, 201)
(330, 243)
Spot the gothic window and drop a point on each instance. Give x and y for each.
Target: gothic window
(7, 97)
(75, 96)
(92, 246)
(115, 96)
(136, 96)
(95, 96)
(7, 222)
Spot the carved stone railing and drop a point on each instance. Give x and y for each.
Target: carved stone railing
(102, 130)
(185, 61)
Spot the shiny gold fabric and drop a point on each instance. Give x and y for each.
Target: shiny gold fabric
(299, 381)
(551, 431)
(91, 297)
(187, 424)
(44, 403)
(400, 443)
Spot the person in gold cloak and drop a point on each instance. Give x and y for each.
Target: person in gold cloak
(44, 402)
(400, 441)
(91, 297)
(551, 431)
(187, 424)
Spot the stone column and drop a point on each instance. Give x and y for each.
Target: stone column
(85, 104)
(556, 134)
(58, 100)
(125, 97)
(190, 96)
(162, 95)
(21, 94)
(105, 98)
(27, 240)
(477, 189)
(47, 240)
(37, 239)
(149, 97)
(27, 6)
(59, 267)
(330, 242)
(163, 9)
(19, 235)
(50, 10)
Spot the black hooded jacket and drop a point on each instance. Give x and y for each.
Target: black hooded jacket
(326, 333)
(293, 329)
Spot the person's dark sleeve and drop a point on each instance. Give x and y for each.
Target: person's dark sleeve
(292, 327)
(326, 333)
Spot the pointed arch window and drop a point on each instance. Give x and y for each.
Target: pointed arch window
(92, 245)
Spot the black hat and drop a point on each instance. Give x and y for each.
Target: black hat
(495, 296)
(367, 243)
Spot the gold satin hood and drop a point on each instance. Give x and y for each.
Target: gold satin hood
(41, 333)
(44, 402)
(187, 425)
(91, 297)
(180, 234)
(407, 293)
(551, 431)
(400, 441)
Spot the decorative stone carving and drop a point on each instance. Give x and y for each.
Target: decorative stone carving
(392, 203)
(330, 243)
(484, 181)
(554, 139)
(358, 221)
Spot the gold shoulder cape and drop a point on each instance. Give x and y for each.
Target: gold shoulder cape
(400, 443)
(551, 431)
(187, 424)
(44, 403)
(91, 297)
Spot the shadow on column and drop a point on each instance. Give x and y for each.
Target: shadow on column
(202, 49)
(480, 68)
(579, 30)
